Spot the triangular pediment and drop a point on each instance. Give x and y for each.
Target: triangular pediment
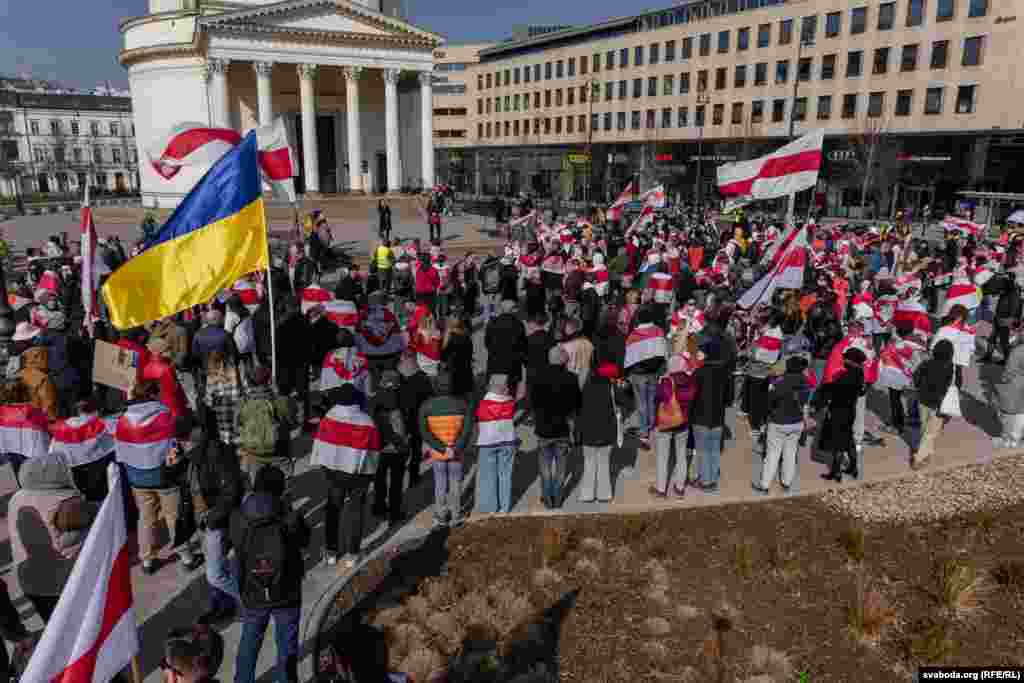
(323, 18)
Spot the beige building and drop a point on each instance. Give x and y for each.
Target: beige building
(452, 103)
(914, 93)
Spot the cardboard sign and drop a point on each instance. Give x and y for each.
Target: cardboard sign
(114, 367)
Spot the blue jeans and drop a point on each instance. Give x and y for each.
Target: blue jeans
(645, 388)
(494, 478)
(448, 491)
(223, 581)
(553, 455)
(709, 448)
(286, 635)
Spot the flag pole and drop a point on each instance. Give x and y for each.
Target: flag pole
(136, 670)
(270, 300)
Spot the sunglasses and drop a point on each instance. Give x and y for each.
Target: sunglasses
(166, 666)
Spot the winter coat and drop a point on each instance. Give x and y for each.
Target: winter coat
(840, 398)
(293, 334)
(686, 285)
(44, 554)
(259, 506)
(1008, 306)
(172, 394)
(445, 422)
(457, 357)
(505, 340)
(36, 376)
(59, 359)
(609, 348)
(1010, 388)
(214, 471)
(714, 392)
(538, 345)
(416, 390)
(786, 399)
(933, 377)
(303, 274)
(597, 423)
(212, 338)
(554, 396)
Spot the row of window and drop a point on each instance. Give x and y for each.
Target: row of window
(449, 111)
(60, 155)
(934, 102)
(908, 61)
(656, 53)
(449, 133)
(57, 127)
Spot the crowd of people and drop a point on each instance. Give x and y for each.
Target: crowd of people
(596, 336)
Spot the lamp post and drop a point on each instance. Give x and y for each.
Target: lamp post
(703, 100)
(594, 88)
(800, 45)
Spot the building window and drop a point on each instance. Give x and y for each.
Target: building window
(782, 71)
(581, 122)
(876, 104)
(683, 117)
(684, 83)
(757, 111)
(609, 89)
(717, 114)
(569, 124)
(858, 20)
(669, 85)
(808, 28)
(828, 67)
(547, 71)
(623, 90)
(74, 127)
(607, 120)
(652, 86)
(972, 51)
(740, 76)
(536, 74)
(965, 99)
(760, 73)
(487, 108)
(702, 80)
(596, 59)
(800, 109)
(743, 39)
(903, 101)
(38, 154)
(508, 77)
(638, 55)
(94, 128)
(737, 113)
(547, 99)
(944, 10)
(666, 117)
(940, 54)
(705, 44)
(97, 155)
(497, 105)
(584, 64)
(833, 24)
(723, 42)
(583, 92)
(881, 63)
(977, 8)
(507, 102)
(698, 116)
(558, 97)
(515, 128)
(854, 63)
(686, 48)
(638, 87)
(720, 77)
(480, 80)
(850, 106)
(489, 81)
(634, 120)
(572, 66)
(764, 35)
(526, 101)
(654, 53)
(908, 59)
(650, 120)
(508, 128)
(609, 60)
(785, 32)
(76, 154)
(803, 70)
(624, 58)
(55, 126)
(778, 110)
(515, 75)
(33, 127)
(479, 107)
(570, 96)
(915, 12)
(933, 101)
(824, 107)
(536, 100)
(558, 125)
(515, 102)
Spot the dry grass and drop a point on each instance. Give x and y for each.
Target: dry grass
(554, 544)
(507, 608)
(440, 593)
(958, 584)
(546, 577)
(743, 558)
(772, 663)
(935, 645)
(658, 596)
(871, 612)
(418, 608)
(587, 566)
(784, 563)
(404, 639)
(390, 616)
(655, 650)
(422, 662)
(687, 612)
(636, 525)
(852, 540)
(1009, 574)
(659, 575)
(447, 630)
(657, 626)
(593, 544)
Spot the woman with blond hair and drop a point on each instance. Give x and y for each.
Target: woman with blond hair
(457, 356)
(426, 341)
(222, 398)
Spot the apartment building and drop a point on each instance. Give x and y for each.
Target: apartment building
(52, 143)
(921, 95)
(452, 102)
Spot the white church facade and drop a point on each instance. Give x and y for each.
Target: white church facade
(353, 84)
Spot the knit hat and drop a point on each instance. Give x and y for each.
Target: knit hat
(557, 355)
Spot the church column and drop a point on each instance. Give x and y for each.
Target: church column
(353, 134)
(391, 129)
(427, 128)
(263, 92)
(307, 103)
(220, 97)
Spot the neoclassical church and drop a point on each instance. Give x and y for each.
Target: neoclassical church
(350, 78)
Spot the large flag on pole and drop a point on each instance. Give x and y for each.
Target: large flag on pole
(789, 169)
(654, 197)
(277, 161)
(963, 226)
(788, 273)
(615, 210)
(92, 634)
(92, 265)
(216, 235)
(773, 253)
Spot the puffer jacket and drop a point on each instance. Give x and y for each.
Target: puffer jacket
(43, 553)
(35, 374)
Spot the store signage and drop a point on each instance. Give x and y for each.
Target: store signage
(842, 155)
(578, 158)
(663, 157)
(713, 157)
(923, 158)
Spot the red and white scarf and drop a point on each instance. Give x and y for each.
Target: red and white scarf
(82, 439)
(143, 435)
(768, 346)
(645, 342)
(347, 440)
(343, 366)
(660, 285)
(23, 430)
(495, 416)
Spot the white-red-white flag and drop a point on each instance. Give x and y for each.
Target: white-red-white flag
(963, 226)
(655, 197)
(615, 210)
(92, 634)
(277, 161)
(773, 253)
(789, 169)
(646, 217)
(92, 265)
(788, 273)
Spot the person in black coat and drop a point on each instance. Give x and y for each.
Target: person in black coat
(932, 380)
(323, 336)
(707, 410)
(457, 357)
(416, 388)
(295, 353)
(505, 341)
(1006, 314)
(555, 397)
(839, 398)
(304, 272)
(686, 283)
(598, 430)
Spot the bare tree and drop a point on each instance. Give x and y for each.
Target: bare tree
(866, 143)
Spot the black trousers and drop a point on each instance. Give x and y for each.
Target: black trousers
(91, 478)
(44, 605)
(388, 483)
(1000, 336)
(343, 514)
(899, 420)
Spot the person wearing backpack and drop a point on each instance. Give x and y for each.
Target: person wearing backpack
(264, 424)
(269, 538)
(394, 449)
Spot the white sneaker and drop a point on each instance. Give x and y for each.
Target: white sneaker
(332, 559)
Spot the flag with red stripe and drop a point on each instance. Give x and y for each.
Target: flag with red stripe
(81, 439)
(92, 634)
(644, 343)
(768, 346)
(495, 416)
(789, 169)
(660, 285)
(23, 430)
(347, 440)
(614, 212)
(788, 273)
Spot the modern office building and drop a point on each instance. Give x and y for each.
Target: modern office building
(53, 143)
(921, 97)
(452, 104)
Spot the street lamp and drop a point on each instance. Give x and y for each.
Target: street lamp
(801, 44)
(703, 100)
(595, 88)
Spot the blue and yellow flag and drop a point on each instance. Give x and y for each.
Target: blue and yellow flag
(216, 235)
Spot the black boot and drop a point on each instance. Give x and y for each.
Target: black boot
(835, 472)
(851, 465)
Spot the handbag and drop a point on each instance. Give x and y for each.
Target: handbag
(951, 402)
(670, 413)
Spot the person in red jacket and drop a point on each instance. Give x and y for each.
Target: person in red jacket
(160, 369)
(428, 280)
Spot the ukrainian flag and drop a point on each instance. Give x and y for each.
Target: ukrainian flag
(215, 236)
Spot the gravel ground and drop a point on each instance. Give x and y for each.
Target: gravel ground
(930, 496)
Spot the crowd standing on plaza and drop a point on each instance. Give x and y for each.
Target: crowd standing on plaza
(596, 336)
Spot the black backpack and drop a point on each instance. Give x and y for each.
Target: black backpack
(263, 561)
